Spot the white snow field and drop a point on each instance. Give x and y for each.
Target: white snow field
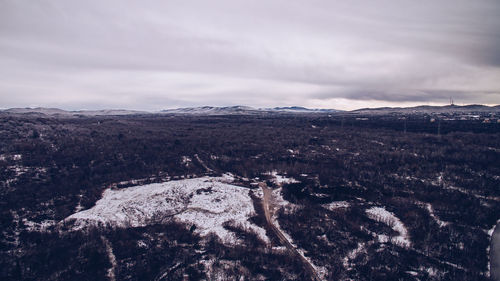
(382, 215)
(207, 202)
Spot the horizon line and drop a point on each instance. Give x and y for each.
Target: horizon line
(240, 105)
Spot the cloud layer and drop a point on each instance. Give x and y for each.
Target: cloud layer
(164, 54)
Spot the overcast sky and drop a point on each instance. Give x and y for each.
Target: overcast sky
(151, 55)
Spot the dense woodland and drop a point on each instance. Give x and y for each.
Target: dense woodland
(49, 165)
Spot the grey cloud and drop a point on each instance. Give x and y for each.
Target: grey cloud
(420, 96)
(182, 53)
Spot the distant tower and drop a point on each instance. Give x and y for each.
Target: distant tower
(451, 101)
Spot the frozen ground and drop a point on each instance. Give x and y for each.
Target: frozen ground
(206, 202)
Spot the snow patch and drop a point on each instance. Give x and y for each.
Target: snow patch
(206, 202)
(352, 255)
(79, 206)
(280, 179)
(431, 271)
(382, 215)
(203, 163)
(431, 213)
(38, 227)
(227, 178)
(412, 273)
(336, 205)
(378, 142)
(186, 161)
(278, 201)
(18, 169)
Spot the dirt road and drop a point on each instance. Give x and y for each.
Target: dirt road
(282, 238)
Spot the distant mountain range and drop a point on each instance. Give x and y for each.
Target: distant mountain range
(203, 110)
(210, 110)
(430, 109)
(246, 110)
(61, 112)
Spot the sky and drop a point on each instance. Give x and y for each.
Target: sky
(153, 55)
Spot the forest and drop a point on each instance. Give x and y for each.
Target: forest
(440, 178)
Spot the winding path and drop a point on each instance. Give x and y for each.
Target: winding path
(282, 238)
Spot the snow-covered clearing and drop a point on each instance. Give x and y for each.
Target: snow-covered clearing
(206, 202)
(382, 215)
